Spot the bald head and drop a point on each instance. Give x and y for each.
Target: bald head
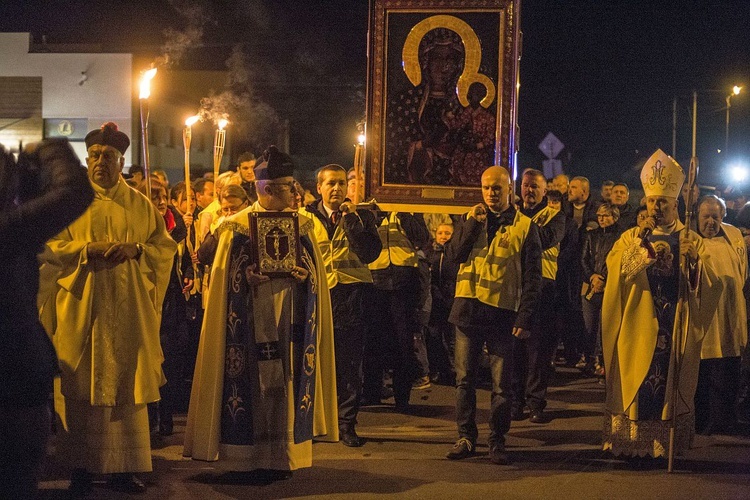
(560, 183)
(496, 188)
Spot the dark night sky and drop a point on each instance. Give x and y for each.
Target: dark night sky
(601, 75)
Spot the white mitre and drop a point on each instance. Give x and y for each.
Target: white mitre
(662, 176)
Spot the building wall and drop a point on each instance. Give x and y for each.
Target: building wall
(105, 95)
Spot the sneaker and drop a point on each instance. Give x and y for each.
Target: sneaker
(498, 455)
(517, 414)
(462, 449)
(421, 383)
(538, 417)
(599, 370)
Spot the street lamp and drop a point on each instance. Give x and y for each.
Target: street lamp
(735, 91)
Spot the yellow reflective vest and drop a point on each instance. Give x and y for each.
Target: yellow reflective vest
(549, 256)
(397, 248)
(342, 265)
(492, 273)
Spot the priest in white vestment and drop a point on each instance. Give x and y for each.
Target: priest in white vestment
(113, 270)
(726, 334)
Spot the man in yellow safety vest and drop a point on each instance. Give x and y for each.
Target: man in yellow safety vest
(498, 281)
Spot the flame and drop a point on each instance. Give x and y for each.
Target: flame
(222, 123)
(191, 121)
(361, 139)
(146, 83)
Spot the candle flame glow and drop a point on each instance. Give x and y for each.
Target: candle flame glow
(146, 83)
(191, 121)
(222, 123)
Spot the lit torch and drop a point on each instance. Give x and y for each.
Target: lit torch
(145, 93)
(187, 135)
(219, 140)
(359, 162)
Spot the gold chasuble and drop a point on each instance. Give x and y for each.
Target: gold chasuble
(265, 376)
(107, 330)
(638, 322)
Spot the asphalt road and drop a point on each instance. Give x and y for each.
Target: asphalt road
(404, 457)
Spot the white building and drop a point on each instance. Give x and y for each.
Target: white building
(50, 94)
(66, 90)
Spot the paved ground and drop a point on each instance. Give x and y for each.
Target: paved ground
(404, 458)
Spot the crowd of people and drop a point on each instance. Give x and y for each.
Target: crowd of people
(162, 304)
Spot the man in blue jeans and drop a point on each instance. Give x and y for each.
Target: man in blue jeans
(498, 282)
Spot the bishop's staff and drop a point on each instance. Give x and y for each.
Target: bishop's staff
(682, 312)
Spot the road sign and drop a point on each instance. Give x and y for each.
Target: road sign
(552, 168)
(551, 146)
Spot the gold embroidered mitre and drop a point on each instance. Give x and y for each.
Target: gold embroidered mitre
(662, 176)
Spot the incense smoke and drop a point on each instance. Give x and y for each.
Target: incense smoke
(179, 41)
(250, 118)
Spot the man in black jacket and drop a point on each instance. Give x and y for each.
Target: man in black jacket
(532, 356)
(396, 306)
(47, 190)
(498, 283)
(569, 318)
(348, 239)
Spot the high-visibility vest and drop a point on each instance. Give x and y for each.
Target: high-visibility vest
(549, 256)
(342, 265)
(397, 249)
(492, 273)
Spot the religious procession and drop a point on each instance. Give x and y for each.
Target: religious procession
(270, 309)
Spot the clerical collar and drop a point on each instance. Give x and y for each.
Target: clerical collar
(107, 193)
(666, 229)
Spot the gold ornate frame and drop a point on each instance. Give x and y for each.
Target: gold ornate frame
(268, 230)
(474, 22)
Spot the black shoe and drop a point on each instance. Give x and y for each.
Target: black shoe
(166, 429)
(538, 417)
(517, 414)
(273, 475)
(404, 408)
(370, 401)
(127, 483)
(349, 438)
(80, 483)
(462, 449)
(498, 455)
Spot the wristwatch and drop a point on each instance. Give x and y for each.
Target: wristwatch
(139, 252)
